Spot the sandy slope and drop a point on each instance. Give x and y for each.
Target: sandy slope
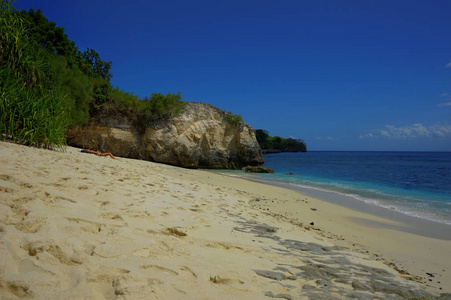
(79, 226)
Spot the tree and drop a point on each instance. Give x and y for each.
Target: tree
(278, 143)
(263, 139)
(294, 145)
(48, 35)
(268, 142)
(94, 66)
(75, 86)
(99, 70)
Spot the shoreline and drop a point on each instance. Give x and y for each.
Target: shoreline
(78, 225)
(414, 245)
(407, 223)
(409, 182)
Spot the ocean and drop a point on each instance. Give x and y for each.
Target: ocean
(413, 183)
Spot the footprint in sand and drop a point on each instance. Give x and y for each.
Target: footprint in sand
(7, 190)
(63, 180)
(8, 178)
(159, 268)
(113, 216)
(26, 185)
(218, 280)
(47, 247)
(107, 274)
(60, 198)
(88, 226)
(49, 198)
(144, 252)
(185, 268)
(195, 208)
(19, 289)
(175, 231)
(225, 246)
(139, 214)
(12, 179)
(103, 203)
(19, 210)
(130, 285)
(31, 224)
(22, 200)
(92, 228)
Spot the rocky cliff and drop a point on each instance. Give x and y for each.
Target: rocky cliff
(200, 137)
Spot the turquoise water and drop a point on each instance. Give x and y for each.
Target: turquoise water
(412, 183)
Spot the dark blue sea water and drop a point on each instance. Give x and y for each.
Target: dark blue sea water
(413, 183)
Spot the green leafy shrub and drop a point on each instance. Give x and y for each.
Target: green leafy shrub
(122, 98)
(160, 106)
(233, 118)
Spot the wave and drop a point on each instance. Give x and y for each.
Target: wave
(436, 211)
(424, 213)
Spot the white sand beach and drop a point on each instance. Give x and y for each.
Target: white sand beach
(80, 226)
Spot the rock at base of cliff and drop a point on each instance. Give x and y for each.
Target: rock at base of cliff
(257, 169)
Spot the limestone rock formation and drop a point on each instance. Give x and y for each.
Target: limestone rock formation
(200, 137)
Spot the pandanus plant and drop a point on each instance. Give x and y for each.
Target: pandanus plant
(30, 113)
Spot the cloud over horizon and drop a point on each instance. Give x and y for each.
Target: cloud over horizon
(411, 132)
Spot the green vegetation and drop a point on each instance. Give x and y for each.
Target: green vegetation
(48, 85)
(30, 112)
(162, 106)
(267, 142)
(233, 118)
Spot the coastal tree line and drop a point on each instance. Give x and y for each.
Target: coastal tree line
(47, 84)
(278, 144)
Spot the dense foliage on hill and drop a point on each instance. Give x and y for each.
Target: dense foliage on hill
(279, 144)
(29, 109)
(47, 84)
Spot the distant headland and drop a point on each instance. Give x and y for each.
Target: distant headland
(277, 144)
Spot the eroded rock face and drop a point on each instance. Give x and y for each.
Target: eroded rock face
(198, 138)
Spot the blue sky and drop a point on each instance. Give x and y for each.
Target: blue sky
(341, 75)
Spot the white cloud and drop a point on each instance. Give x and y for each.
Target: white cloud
(411, 132)
(448, 65)
(366, 136)
(318, 138)
(446, 95)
